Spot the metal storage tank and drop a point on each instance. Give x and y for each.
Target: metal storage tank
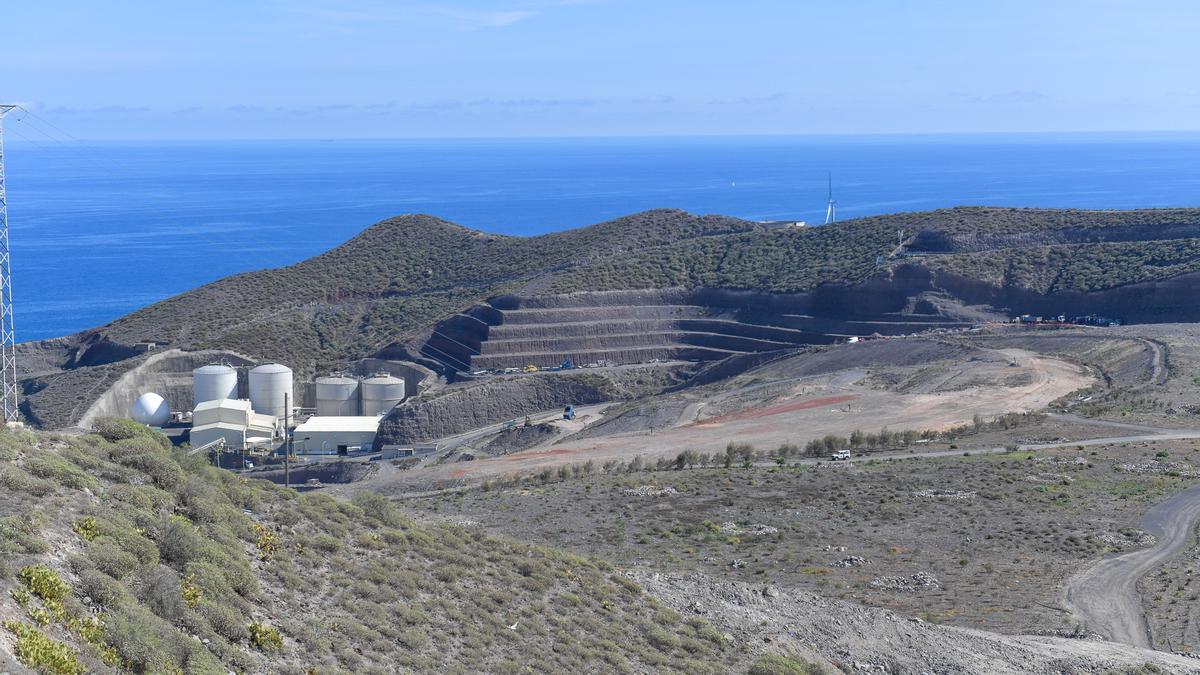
(271, 389)
(381, 393)
(337, 395)
(213, 383)
(150, 409)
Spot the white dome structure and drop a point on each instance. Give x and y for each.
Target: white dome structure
(150, 409)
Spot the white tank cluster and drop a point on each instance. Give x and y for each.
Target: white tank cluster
(337, 396)
(380, 393)
(270, 388)
(214, 382)
(150, 409)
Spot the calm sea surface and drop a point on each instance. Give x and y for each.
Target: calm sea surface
(103, 229)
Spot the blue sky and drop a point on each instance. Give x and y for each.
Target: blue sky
(357, 69)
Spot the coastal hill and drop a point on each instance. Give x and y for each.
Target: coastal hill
(420, 287)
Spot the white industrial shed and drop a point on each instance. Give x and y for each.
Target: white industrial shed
(330, 434)
(232, 420)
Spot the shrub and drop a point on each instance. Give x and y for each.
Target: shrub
(147, 457)
(110, 558)
(16, 479)
(189, 592)
(163, 594)
(225, 620)
(101, 588)
(268, 542)
(265, 637)
(87, 527)
(145, 642)
(113, 429)
(776, 664)
(53, 468)
(44, 582)
(21, 535)
(178, 539)
(37, 651)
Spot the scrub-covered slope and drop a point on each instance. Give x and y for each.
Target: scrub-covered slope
(119, 555)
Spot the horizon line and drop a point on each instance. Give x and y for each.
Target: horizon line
(897, 135)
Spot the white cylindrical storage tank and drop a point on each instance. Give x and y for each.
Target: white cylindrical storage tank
(271, 389)
(150, 409)
(213, 383)
(337, 395)
(381, 393)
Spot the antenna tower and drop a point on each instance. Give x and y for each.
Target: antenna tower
(8, 342)
(831, 209)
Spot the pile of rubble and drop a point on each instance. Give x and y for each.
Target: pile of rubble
(1156, 468)
(757, 529)
(945, 494)
(850, 561)
(1075, 462)
(651, 491)
(921, 581)
(1050, 478)
(1127, 539)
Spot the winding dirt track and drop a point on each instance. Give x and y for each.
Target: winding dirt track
(1104, 596)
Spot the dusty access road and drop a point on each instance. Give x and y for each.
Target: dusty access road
(1104, 596)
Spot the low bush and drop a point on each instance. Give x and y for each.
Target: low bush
(265, 637)
(39, 652)
(776, 664)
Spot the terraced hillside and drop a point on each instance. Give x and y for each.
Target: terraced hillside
(621, 327)
(419, 287)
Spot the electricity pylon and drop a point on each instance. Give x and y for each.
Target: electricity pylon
(8, 341)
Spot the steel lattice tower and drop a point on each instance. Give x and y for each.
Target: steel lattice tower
(8, 342)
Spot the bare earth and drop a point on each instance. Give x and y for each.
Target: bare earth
(810, 408)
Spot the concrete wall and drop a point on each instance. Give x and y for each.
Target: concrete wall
(167, 373)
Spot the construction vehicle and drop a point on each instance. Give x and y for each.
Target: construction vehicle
(530, 369)
(567, 365)
(569, 412)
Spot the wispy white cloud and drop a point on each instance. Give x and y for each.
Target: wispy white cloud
(448, 15)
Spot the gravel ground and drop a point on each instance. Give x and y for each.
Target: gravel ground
(999, 533)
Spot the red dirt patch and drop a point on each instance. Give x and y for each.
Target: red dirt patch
(755, 413)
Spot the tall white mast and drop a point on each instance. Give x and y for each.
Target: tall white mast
(8, 341)
(831, 210)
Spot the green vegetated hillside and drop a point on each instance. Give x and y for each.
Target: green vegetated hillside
(118, 554)
(394, 278)
(402, 275)
(1078, 267)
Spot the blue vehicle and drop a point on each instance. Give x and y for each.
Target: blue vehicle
(569, 412)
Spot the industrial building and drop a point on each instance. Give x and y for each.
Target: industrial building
(234, 421)
(335, 434)
(270, 388)
(248, 410)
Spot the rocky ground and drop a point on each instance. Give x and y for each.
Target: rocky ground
(974, 541)
(1171, 598)
(856, 639)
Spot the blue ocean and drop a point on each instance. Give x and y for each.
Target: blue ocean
(101, 229)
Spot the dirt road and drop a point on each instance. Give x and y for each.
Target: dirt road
(1104, 596)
